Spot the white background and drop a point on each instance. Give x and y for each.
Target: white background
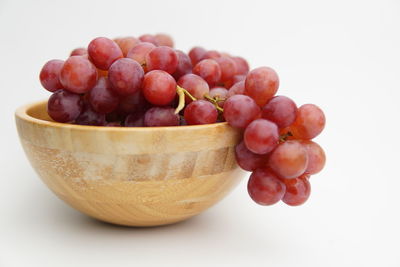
(342, 55)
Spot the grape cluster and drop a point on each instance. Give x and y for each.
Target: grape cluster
(135, 82)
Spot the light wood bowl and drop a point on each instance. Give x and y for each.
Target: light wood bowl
(142, 176)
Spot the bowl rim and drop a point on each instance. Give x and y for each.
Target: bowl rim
(22, 114)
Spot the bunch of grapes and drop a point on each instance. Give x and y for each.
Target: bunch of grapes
(136, 82)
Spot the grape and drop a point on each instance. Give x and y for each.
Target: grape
(102, 98)
(310, 121)
(126, 76)
(316, 157)
(196, 54)
(228, 68)
(265, 188)
(297, 190)
(238, 78)
(132, 103)
(148, 38)
(89, 117)
(262, 84)
(126, 44)
(281, 110)
(289, 159)
(79, 52)
(209, 70)
(195, 85)
(162, 58)
(164, 40)
(220, 93)
(200, 112)
(184, 65)
(242, 67)
(240, 110)
(140, 51)
(64, 106)
(211, 54)
(236, 89)
(50, 75)
(78, 75)
(261, 136)
(135, 119)
(103, 52)
(161, 116)
(248, 160)
(159, 88)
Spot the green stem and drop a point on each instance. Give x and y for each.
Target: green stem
(181, 93)
(214, 102)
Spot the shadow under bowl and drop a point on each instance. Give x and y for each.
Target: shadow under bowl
(133, 176)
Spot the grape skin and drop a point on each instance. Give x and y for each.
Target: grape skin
(161, 116)
(240, 110)
(248, 160)
(195, 85)
(220, 93)
(261, 136)
(78, 75)
(209, 70)
(79, 52)
(89, 117)
(265, 188)
(281, 110)
(126, 44)
(164, 40)
(242, 67)
(200, 112)
(159, 87)
(64, 106)
(102, 98)
(162, 58)
(316, 157)
(140, 51)
(135, 119)
(298, 190)
(148, 38)
(261, 84)
(289, 159)
(132, 103)
(184, 65)
(236, 89)
(228, 68)
(50, 75)
(309, 123)
(196, 54)
(125, 76)
(103, 52)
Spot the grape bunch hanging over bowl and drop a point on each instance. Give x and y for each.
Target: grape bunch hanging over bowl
(146, 82)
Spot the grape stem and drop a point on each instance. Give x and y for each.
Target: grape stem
(214, 102)
(284, 137)
(181, 93)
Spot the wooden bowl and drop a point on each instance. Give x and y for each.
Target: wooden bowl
(141, 176)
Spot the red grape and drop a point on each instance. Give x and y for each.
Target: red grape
(262, 84)
(242, 67)
(50, 75)
(78, 75)
(102, 98)
(161, 116)
(228, 68)
(126, 76)
(132, 103)
(265, 188)
(79, 52)
(103, 52)
(248, 160)
(316, 157)
(297, 191)
(211, 54)
(310, 121)
(64, 106)
(261, 136)
(164, 40)
(195, 85)
(236, 89)
(196, 54)
(289, 159)
(162, 58)
(200, 112)
(240, 110)
(281, 110)
(140, 51)
(184, 65)
(126, 44)
(220, 93)
(135, 119)
(148, 38)
(90, 117)
(209, 70)
(159, 88)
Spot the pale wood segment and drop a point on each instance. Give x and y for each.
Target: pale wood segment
(131, 176)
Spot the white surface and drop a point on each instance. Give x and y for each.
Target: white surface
(342, 55)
